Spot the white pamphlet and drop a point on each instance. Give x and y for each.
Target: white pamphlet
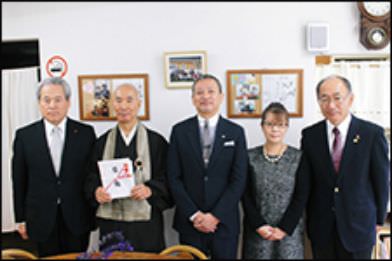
(117, 177)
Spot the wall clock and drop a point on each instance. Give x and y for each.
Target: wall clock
(375, 32)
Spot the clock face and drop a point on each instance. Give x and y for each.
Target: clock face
(377, 8)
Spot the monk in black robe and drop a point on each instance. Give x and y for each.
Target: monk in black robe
(139, 216)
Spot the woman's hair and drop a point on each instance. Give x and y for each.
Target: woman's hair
(276, 108)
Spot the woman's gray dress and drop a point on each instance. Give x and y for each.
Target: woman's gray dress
(271, 185)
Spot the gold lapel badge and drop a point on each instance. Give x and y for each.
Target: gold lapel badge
(356, 139)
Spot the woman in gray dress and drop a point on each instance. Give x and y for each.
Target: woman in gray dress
(271, 178)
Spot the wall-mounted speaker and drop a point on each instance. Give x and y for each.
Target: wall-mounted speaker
(317, 39)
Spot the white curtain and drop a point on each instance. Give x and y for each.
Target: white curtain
(371, 85)
(19, 108)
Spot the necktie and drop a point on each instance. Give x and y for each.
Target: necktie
(206, 142)
(56, 147)
(336, 149)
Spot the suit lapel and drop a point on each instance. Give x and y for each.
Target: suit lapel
(218, 144)
(325, 152)
(348, 148)
(43, 143)
(69, 139)
(194, 140)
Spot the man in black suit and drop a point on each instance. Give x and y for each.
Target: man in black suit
(343, 179)
(49, 167)
(207, 166)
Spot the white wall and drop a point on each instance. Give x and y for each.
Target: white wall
(104, 38)
(114, 38)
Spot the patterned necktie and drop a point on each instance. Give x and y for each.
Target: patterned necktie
(336, 149)
(206, 142)
(56, 147)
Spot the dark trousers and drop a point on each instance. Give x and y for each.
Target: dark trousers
(61, 240)
(141, 235)
(212, 246)
(334, 249)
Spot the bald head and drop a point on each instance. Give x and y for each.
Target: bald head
(126, 103)
(127, 87)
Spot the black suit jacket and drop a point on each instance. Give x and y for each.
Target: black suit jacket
(36, 186)
(355, 198)
(217, 188)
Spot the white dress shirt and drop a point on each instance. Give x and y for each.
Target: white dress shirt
(49, 127)
(343, 129)
(212, 122)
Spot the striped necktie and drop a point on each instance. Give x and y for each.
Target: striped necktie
(206, 142)
(337, 149)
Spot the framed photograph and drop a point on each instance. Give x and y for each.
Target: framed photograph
(182, 68)
(249, 92)
(95, 95)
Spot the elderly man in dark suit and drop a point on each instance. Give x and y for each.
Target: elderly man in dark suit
(343, 179)
(49, 167)
(207, 166)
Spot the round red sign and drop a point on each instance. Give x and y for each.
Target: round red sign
(56, 66)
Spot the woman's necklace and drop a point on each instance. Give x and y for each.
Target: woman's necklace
(273, 159)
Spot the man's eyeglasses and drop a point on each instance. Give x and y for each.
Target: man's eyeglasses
(277, 125)
(338, 100)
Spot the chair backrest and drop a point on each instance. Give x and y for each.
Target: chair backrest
(13, 253)
(381, 249)
(183, 249)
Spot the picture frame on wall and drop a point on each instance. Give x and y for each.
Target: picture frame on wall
(96, 94)
(182, 68)
(249, 92)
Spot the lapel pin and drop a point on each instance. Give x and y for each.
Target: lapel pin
(356, 139)
(138, 164)
(223, 136)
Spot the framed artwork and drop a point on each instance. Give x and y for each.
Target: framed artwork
(249, 92)
(95, 95)
(182, 68)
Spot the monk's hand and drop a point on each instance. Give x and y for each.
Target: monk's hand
(140, 192)
(102, 196)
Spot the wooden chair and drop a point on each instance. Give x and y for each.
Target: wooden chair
(14, 253)
(383, 236)
(183, 249)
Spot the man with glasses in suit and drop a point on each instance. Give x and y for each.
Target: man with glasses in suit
(343, 179)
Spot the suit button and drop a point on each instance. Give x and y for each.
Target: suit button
(336, 190)
(333, 209)
(58, 182)
(205, 178)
